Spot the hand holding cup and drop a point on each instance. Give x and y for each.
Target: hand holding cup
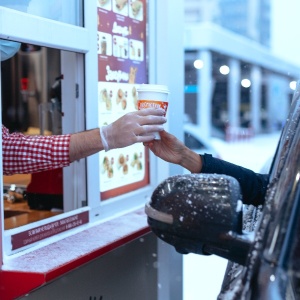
(153, 96)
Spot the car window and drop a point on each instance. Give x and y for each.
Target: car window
(191, 142)
(294, 261)
(282, 195)
(284, 203)
(272, 236)
(286, 136)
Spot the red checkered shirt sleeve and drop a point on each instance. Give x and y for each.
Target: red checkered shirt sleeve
(24, 154)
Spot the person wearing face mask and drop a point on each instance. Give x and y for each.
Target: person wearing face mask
(8, 49)
(28, 154)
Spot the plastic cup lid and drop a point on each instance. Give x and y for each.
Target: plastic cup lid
(152, 88)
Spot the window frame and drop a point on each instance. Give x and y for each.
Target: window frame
(42, 31)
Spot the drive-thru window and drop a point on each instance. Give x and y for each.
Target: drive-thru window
(81, 231)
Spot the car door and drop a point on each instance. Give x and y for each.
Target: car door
(245, 282)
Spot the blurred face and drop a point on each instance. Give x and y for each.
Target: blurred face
(8, 49)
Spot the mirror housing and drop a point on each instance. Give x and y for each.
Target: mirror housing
(200, 213)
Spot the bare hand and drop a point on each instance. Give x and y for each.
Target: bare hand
(172, 150)
(168, 148)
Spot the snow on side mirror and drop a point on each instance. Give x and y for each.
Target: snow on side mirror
(200, 213)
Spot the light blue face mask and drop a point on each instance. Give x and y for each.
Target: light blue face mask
(8, 49)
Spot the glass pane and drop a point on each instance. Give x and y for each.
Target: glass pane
(59, 10)
(32, 86)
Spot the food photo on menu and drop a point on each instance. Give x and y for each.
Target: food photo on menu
(105, 96)
(116, 99)
(121, 99)
(105, 4)
(121, 167)
(134, 97)
(120, 7)
(120, 46)
(136, 161)
(136, 10)
(122, 163)
(107, 166)
(104, 44)
(136, 50)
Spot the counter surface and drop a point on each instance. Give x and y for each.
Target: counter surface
(42, 265)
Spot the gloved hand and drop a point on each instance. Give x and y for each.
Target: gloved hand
(137, 126)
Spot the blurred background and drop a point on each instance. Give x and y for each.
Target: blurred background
(241, 67)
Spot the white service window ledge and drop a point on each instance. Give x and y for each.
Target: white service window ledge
(42, 265)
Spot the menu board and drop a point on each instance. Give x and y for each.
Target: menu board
(121, 66)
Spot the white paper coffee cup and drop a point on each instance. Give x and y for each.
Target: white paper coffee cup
(153, 96)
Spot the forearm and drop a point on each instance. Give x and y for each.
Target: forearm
(85, 143)
(25, 154)
(191, 161)
(253, 185)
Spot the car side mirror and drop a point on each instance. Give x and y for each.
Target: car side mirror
(200, 213)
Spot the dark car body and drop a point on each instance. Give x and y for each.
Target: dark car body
(201, 213)
(272, 270)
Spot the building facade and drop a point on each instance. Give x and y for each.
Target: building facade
(239, 84)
